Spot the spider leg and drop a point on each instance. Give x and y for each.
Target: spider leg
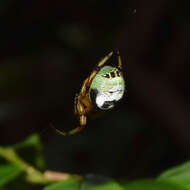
(81, 107)
(98, 67)
(103, 61)
(84, 88)
(88, 81)
(79, 128)
(71, 132)
(81, 111)
(119, 59)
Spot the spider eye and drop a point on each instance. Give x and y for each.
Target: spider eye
(112, 74)
(106, 75)
(118, 74)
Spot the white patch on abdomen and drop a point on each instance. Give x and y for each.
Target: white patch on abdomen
(110, 93)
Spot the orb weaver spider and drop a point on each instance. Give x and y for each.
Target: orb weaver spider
(102, 89)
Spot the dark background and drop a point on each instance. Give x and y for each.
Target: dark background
(47, 49)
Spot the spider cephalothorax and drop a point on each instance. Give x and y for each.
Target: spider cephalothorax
(102, 89)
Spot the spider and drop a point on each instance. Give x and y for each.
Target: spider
(102, 89)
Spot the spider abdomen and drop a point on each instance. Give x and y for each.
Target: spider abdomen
(107, 87)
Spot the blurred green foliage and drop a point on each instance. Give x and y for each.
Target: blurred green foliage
(25, 173)
(8, 173)
(68, 184)
(152, 185)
